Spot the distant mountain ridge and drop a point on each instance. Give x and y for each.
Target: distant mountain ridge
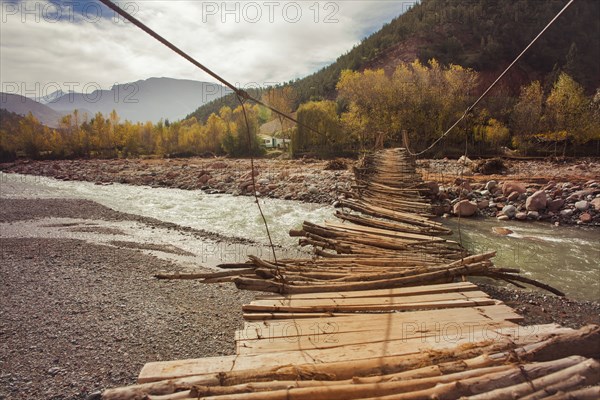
(22, 106)
(151, 99)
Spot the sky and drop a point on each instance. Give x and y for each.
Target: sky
(82, 45)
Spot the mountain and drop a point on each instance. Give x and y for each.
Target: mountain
(152, 99)
(485, 35)
(22, 106)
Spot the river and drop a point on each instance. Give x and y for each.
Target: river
(567, 258)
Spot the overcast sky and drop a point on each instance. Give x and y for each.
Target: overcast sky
(81, 45)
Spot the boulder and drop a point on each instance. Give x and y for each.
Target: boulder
(501, 231)
(465, 208)
(491, 185)
(533, 214)
(582, 205)
(509, 187)
(585, 217)
(566, 213)
(513, 196)
(596, 203)
(536, 201)
(521, 216)
(555, 205)
(204, 178)
(509, 211)
(503, 218)
(483, 204)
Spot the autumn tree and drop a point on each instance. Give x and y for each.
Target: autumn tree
(282, 99)
(569, 110)
(422, 100)
(527, 115)
(319, 130)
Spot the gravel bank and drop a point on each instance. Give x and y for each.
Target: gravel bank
(76, 318)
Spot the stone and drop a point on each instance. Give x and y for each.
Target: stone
(465, 160)
(521, 216)
(510, 186)
(503, 218)
(204, 178)
(433, 187)
(596, 203)
(536, 201)
(566, 213)
(513, 196)
(555, 205)
(509, 211)
(465, 208)
(501, 231)
(491, 185)
(585, 218)
(582, 205)
(263, 181)
(483, 204)
(313, 190)
(485, 193)
(533, 214)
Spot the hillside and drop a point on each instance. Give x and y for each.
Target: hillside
(144, 100)
(21, 105)
(485, 35)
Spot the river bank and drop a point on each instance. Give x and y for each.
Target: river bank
(564, 192)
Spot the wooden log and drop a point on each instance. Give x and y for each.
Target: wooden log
(208, 275)
(470, 380)
(469, 356)
(446, 274)
(588, 369)
(590, 393)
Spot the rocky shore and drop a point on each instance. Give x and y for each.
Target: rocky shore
(560, 192)
(560, 199)
(305, 180)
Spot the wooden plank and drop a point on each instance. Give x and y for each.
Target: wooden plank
(273, 305)
(507, 314)
(157, 371)
(382, 336)
(420, 305)
(405, 291)
(367, 322)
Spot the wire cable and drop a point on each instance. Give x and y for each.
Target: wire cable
(239, 92)
(470, 109)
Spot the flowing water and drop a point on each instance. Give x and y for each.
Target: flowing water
(567, 258)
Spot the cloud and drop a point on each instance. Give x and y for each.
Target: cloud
(245, 41)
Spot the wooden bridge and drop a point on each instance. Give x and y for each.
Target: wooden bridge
(382, 311)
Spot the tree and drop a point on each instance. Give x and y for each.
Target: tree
(569, 110)
(282, 99)
(526, 118)
(422, 100)
(326, 138)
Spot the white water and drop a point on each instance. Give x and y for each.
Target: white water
(231, 216)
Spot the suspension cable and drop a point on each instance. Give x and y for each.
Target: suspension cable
(239, 92)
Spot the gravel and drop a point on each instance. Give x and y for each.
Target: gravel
(76, 318)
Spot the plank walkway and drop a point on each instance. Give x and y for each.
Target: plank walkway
(382, 311)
